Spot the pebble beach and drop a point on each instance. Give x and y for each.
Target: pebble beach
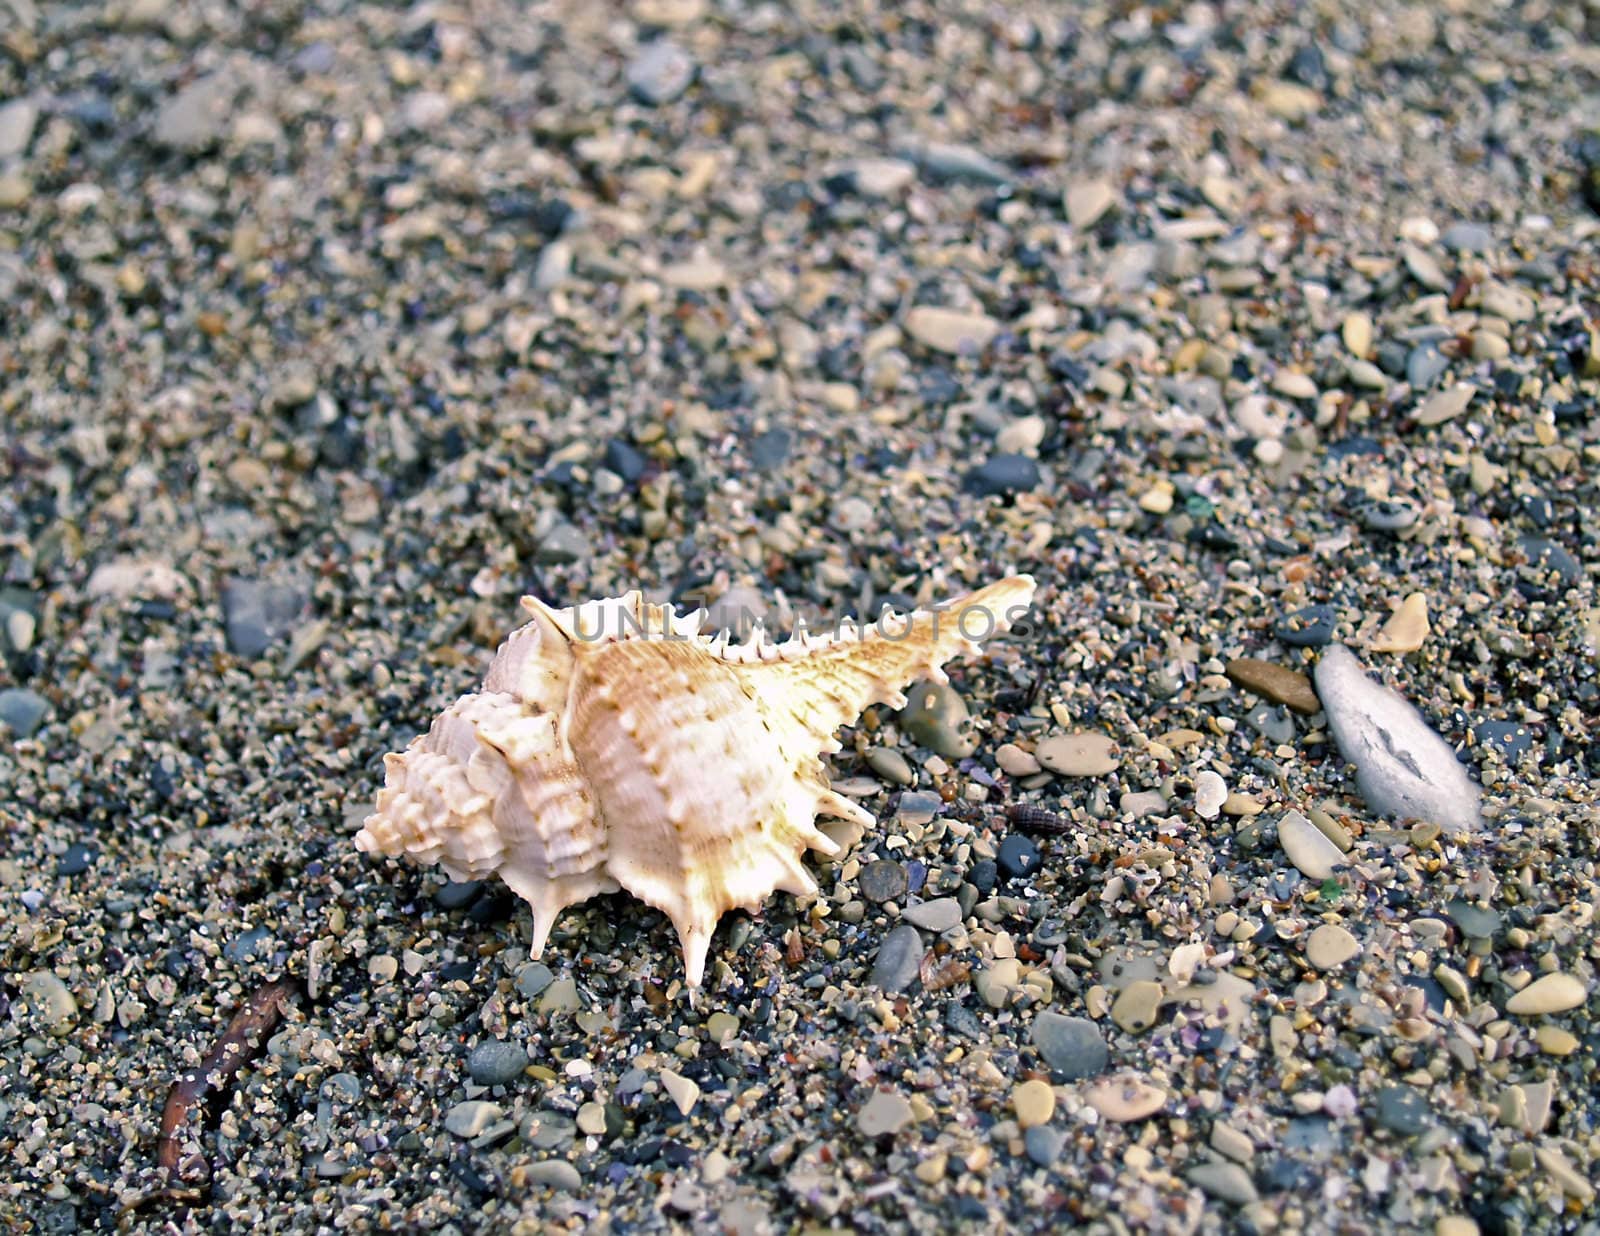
(1249, 885)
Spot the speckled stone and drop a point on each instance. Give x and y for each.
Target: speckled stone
(494, 1062)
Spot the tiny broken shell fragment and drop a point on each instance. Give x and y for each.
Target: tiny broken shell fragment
(612, 746)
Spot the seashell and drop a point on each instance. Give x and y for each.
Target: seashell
(612, 746)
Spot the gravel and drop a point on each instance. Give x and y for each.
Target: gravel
(1263, 337)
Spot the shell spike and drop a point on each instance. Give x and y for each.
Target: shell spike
(696, 942)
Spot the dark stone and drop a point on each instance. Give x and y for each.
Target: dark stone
(984, 875)
(496, 1063)
(253, 943)
(963, 1021)
(22, 711)
(1073, 1047)
(1545, 556)
(1019, 856)
(1387, 516)
(458, 971)
(1510, 740)
(1001, 475)
(1306, 66)
(1311, 627)
(883, 880)
(1043, 1144)
(1402, 1110)
(1475, 922)
(257, 614)
(1313, 1133)
(625, 460)
(78, 859)
(899, 958)
(454, 896)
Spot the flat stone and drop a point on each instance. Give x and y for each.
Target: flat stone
(884, 1114)
(882, 880)
(258, 613)
(996, 981)
(683, 1091)
(552, 1174)
(881, 178)
(1125, 1099)
(1137, 1006)
(494, 1062)
(1227, 1140)
(1034, 1102)
(1073, 1047)
(195, 117)
(951, 330)
(1446, 405)
(1018, 856)
(1210, 792)
(1001, 475)
(1357, 332)
(561, 997)
(533, 978)
(1307, 847)
(17, 120)
(1015, 762)
(1079, 754)
(1330, 946)
(1086, 200)
(50, 1000)
(1407, 628)
(1403, 1110)
(1552, 993)
(1278, 683)
(22, 711)
(939, 915)
(1504, 301)
(660, 73)
(1475, 922)
(472, 1117)
(899, 959)
(1227, 1182)
(1403, 768)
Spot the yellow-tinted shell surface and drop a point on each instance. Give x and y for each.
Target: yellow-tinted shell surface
(612, 746)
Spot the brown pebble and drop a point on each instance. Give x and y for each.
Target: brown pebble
(1278, 683)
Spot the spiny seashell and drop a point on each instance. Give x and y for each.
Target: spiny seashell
(613, 746)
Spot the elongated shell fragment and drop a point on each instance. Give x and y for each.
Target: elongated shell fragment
(612, 746)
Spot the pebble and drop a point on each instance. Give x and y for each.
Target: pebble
(891, 766)
(1210, 792)
(683, 1091)
(898, 961)
(472, 1117)
(1551, 993)
(78, 859)
(1356, 331)
(494, 1062)
(1125, 1099)
(552, 1174)
(1034, 1103)
(950, 330)
(1087, 200)
(1402, 1110)
(561, 997)
(591, 1119)
(23, 711)
(1403, 768)
(1387, 516)
(1227, 1182)
(1475, 922)
(941, 914)
(1445, 406)
(257, 613)
(1311, 627)
(1424, 365)
(1079, 754)
(881, 178)
(50, 998)
(1001, 475)
(1330, 946)
(1304, 844)
(1073, 1047)
(882, 880)
(196, 117)
(1227, 1140)
(884, 1114)
(1018, 856)
(1137, 1006)
(936, 717)
(533, 978)
(1425, 268)
(17, 119)
(1015, 762)
(1504, 301)
(1277, 683)
(1044, 1144)
(996, 981)
(1407, 628)
(1467, 238)
(660, 73)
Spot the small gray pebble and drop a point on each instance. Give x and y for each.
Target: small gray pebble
(494, 1062)
(22, 711)
(1043, 1144)
(1403, 1110)
(533, 978)
(899, 958)
(1072, 1046)
(660, 73)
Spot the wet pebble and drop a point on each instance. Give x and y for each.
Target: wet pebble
(1330, 946)
(940, 914)
(1306, 846)
(1310, 627)
(891, 766)
(1551, 993)
(533, 978)
(1403, 1110)
(1227, 1182)
(1044, 1144)
(884, 1114)
(660, 73)
(1034, 1103)
(23, 711)
(258, 613)
(1278, 683)
(78, 859)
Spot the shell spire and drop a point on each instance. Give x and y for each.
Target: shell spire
(612, 746)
